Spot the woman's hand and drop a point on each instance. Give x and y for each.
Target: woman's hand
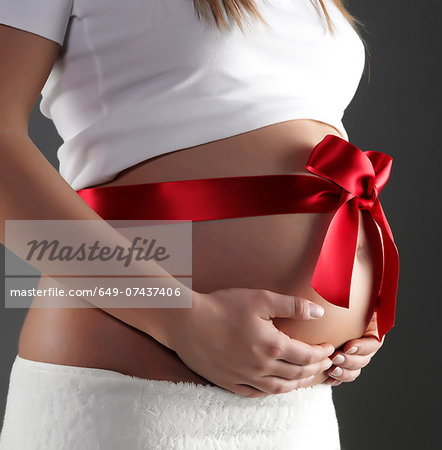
(354, 355)
(230, 340)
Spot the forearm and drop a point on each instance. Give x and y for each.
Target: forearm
(31, 189)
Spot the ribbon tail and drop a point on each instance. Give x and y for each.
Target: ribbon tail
(388, 291)
(333, 272)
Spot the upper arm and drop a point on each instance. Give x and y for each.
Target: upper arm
(31, 33)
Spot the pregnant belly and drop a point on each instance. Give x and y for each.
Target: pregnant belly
(275, 252)
(279, 253)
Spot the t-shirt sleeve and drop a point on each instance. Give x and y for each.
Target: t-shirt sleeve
(47, 18)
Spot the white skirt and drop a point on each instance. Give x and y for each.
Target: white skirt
(59, 407)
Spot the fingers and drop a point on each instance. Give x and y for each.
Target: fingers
(306, 361)
(364, 346)
(332, 382)
(345, 375)
(356, 354)
(288, 306)
(305, 309)
(276, 385)
(289, 371)
(300, 353)
(266, 386)
(347, 366)
(352, 362)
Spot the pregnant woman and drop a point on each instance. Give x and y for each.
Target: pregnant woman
(228, 114)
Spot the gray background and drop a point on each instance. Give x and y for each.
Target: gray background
(392, 405)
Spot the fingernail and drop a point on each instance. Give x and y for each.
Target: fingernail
(316, 311)
(330, 363)
(337, 372)
(351, 351)
(338, 359)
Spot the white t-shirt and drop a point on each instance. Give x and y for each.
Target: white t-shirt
(138, 78)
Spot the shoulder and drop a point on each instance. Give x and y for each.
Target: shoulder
(47, 18)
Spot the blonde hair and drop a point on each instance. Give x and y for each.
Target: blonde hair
(242, 10)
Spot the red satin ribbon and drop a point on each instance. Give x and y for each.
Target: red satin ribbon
(361, 175)
(348, 180)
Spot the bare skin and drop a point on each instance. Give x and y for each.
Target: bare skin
(247, 255)
(95, 338)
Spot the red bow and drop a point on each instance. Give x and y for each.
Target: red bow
(349, 179)
(361, 175)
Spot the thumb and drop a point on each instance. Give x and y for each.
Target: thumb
(293, 307)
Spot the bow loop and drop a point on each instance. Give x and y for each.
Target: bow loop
(382, 164)
(344, 164)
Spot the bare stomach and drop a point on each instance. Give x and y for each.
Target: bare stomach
(276, 252)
